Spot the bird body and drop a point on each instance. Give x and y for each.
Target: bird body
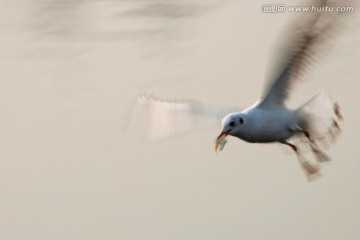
(264, 125)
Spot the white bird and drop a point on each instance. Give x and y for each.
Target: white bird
(269, 119)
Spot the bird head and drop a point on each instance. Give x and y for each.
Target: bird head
(232, 125)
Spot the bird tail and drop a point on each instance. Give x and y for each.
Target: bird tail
(321, 114)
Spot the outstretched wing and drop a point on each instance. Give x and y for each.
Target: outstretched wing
(305, 42)
(158, 118)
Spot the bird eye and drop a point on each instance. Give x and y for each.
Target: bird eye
(232, 124)
(241, 120)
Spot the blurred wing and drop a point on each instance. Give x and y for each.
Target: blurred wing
(305, 42)
(156, 118)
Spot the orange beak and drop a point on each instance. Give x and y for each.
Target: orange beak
(221, 141)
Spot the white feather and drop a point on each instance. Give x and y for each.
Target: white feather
(158, 118)
(322, 114)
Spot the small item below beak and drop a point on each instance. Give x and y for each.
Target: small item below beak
(221, 141)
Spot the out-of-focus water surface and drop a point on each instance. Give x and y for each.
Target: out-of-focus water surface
(70, 72)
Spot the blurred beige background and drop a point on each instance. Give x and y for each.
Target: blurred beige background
(70, 73)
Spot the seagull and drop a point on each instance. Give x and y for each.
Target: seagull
(269, 120)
